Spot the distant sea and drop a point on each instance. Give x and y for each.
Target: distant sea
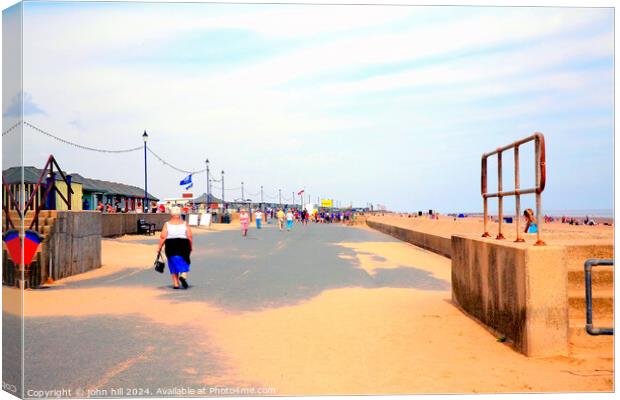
(599, 213)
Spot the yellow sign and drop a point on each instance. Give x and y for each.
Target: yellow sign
(327, 203)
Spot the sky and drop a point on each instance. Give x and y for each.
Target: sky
(388, 105)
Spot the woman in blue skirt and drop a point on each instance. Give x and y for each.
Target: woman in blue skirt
(177, 236)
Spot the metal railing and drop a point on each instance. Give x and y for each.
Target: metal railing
(540, 177)
(588, 272)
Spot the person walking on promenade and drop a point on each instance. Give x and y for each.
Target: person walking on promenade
(258, 215)
(531, 225)
(176, 235)
(289, 220)
(244, 219)
(280, 216)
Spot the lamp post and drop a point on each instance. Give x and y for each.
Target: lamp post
(208, 183)
(261, 196)
(223, 207)
(145, 207)
(242, 196)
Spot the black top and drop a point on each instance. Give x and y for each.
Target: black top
(178, 247)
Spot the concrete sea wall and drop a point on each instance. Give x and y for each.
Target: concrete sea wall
(435, 243)
(518, 291)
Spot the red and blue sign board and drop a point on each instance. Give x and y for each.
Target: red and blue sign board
(32, 240)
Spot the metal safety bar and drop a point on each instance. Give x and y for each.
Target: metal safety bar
(541, 177)
(588, 270)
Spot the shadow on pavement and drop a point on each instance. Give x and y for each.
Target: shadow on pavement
(114, 352)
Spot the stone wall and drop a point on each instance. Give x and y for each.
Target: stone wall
(519, 291)
(73, 245)
(122, 224)
(434, 243)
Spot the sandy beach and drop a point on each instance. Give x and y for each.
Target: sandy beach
(555, 233)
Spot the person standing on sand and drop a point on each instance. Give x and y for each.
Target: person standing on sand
(280, 216)
(531, 225)
(244, 219)
(177, 237)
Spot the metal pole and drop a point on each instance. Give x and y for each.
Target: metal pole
(517, 197)
(145, 207)
(280, 197)
(242, 195)
(208, 184)
(500, 235)
(293, 199)
(223, 206)
(539, 241)
(261, 195)
(484, 198)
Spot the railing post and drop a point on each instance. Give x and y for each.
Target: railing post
(539, 241)
(483, 185)
(500, 198)
(517, 197)
(590, 329)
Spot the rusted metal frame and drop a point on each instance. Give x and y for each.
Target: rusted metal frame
(514, 144)
(541, 178)
(511, 193)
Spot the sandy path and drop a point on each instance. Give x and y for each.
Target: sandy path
(348, 340)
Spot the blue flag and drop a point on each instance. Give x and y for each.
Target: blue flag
(189, 186)
(187, 180)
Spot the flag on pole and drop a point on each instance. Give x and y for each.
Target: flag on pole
(191, 185)
(187, 180)
(300, 192)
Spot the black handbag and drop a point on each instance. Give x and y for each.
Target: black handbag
(159, 265)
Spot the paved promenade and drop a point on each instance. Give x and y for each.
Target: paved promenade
(323, 309)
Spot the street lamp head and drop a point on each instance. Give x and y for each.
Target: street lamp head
(222, 172)
(207, 161)
(145, 137)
